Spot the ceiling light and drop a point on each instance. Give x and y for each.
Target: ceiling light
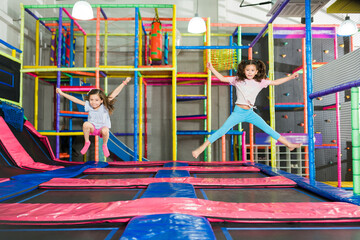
(82, 10)
(197, 24)
(347, 28)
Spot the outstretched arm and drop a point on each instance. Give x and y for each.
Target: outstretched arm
(216, 73)
(119, 88)
(283, 80)
(71, 98)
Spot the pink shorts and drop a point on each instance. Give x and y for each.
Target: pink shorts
(96, 132)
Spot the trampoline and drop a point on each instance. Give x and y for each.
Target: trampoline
(173, 200)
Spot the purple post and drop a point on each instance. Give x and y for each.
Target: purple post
(58, 84)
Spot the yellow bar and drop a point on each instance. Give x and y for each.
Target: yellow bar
(61, 133)
(272, 92)
(84, 57)
(173, 87)
(208, 90)
(37, 44)
(10, 57)
(13, 53)
(193, 75)
(9, 101)
(140, 118)
(41, 67)
(106, 44)
(36, 88)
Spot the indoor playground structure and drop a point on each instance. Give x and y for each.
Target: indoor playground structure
(246, 186)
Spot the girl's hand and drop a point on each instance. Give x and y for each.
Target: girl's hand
(294, 75)
(127, 80)
(209, 65)
(58, 90)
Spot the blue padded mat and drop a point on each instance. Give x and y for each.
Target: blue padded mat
(165, 189)
(172, 173)
(27, 182)
(168, 226)
(175, 164)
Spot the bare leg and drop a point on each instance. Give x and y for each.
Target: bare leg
(105, 136)
(200, 149)
(288, 144)
(87, 128)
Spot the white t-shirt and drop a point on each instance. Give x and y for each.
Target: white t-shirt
(247, 90)
(100, 117)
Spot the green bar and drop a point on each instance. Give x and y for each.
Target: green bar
(355, 139)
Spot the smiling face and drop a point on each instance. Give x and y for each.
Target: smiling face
(250, 71)
(95, 101)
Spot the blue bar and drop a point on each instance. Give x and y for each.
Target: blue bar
(309, 81)
(10, 46)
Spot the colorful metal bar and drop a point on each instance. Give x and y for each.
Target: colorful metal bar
(355, 139)
(136, 86)
(10, 46)
(75, 22)
(309, 79)
(173, 87)
(269, 22)
(305, 99)
(34, 16)
(211, 47)
(272, 91)
(58, 84)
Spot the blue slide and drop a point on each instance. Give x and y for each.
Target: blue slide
(120, 149)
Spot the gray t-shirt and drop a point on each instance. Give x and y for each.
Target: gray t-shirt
(100, 117)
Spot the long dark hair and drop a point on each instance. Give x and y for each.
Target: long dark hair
(109, 104)
(260, 67)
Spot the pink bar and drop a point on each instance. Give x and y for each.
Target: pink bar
(76, 88)
(329, 107)
(162, 24)
(190, 118)
(76, 23)
(338, 139)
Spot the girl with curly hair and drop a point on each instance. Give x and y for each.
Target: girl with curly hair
(250, 80)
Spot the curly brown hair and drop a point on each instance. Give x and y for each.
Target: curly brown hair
(109, 104)
(260, 67)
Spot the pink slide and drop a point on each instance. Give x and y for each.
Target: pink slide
(18, 154)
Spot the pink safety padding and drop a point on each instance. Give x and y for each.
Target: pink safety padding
(75, 183)
(155, 169)
(4, 179)
(215, 211)
(17, 152)
(45, 141)
(191, 163)
(42, 138)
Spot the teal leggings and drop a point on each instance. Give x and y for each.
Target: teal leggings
(243, 115)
